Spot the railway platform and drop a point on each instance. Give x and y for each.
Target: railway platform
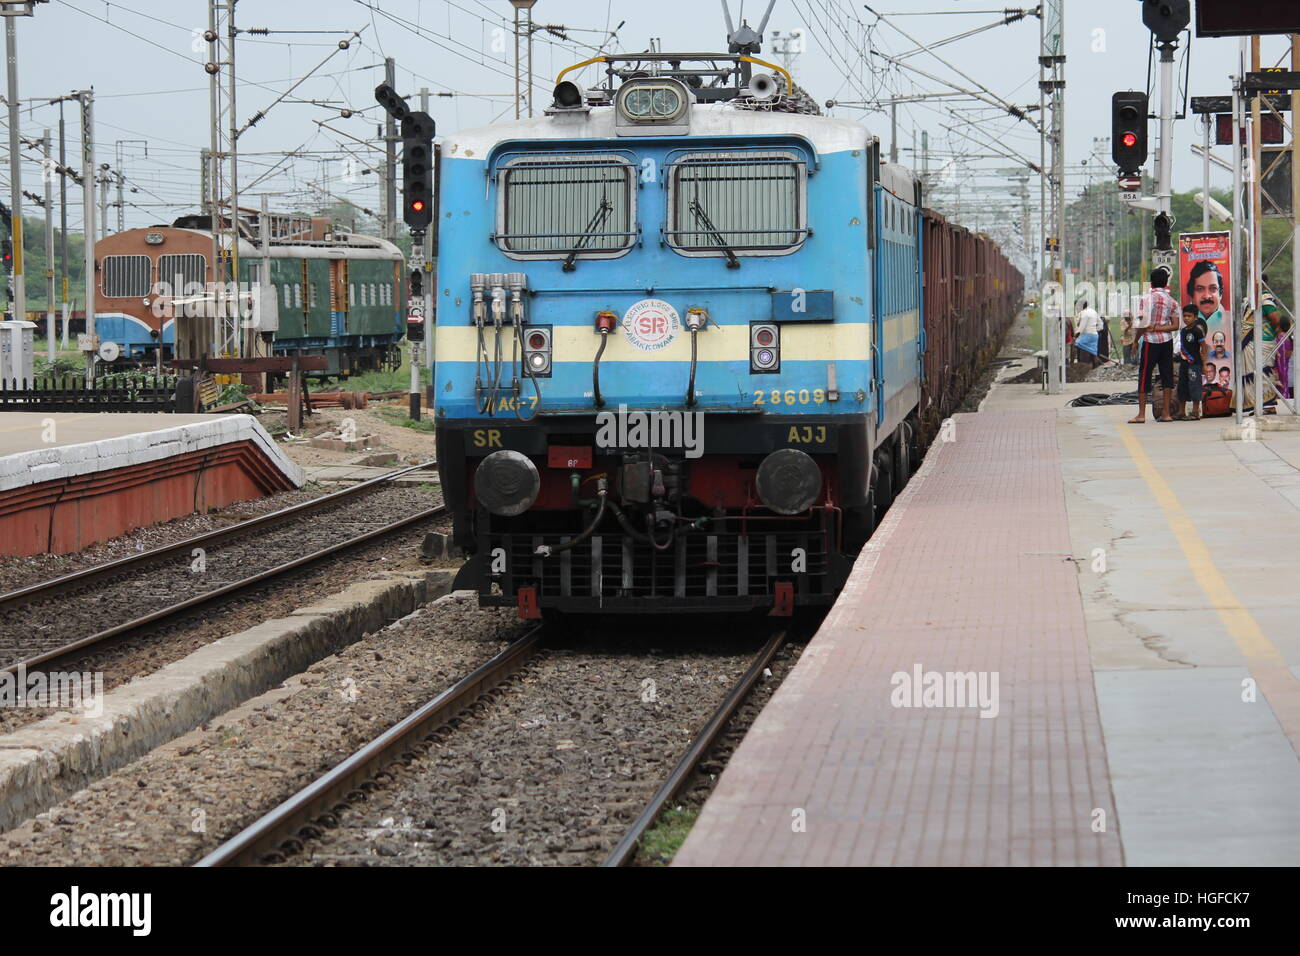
(1071, 642)
(68, 480)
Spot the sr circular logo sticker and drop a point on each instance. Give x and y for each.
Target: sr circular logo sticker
(651, 324)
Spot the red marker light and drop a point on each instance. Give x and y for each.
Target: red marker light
(418, 205)
(1129, 139)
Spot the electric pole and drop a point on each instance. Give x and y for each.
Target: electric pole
(63, 222)
(788, 46)
(11, 11)
(90, 343)
(526, 6)
(1051, 84)
(47, 175)
(104, 180)
(390, 159)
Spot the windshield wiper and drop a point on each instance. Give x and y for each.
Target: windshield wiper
(597, 220)
(703, 219)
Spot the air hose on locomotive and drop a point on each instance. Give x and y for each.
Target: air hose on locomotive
(519, 351)
(605, 322)
(478, 285)
(602, 495)
(696, 319)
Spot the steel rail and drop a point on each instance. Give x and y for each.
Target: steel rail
(268, 832)
(198, 600)
(58, 585)
(704, 740)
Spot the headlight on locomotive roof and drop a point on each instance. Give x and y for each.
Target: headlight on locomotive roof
(653, 101)
(506, 483)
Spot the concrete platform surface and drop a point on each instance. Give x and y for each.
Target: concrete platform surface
(1132, 586)
(31, 431)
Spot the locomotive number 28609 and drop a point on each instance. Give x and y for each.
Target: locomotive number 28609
(804, 396)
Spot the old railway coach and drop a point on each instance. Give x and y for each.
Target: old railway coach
(330, 293)
(679, 345)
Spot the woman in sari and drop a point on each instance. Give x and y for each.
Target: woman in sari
(1276, 345)
(1277, 333)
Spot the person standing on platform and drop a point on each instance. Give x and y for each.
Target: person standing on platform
(1128, 339)
(1277, 345)
(1086, 328)
(1192, 351)
(1157, 320)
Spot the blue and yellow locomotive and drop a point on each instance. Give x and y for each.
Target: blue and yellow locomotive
(679, 343)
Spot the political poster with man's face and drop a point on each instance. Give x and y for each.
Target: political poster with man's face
(1204, 263)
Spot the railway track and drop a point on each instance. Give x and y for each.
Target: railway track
(39, 614)
(625, 850)
(322, 803)
(320, 798)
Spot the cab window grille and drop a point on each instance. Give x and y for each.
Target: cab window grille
(744, 202)
(183, 270)
(555, 207)
(125, 276)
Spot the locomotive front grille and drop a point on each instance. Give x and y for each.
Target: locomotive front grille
(610, 568)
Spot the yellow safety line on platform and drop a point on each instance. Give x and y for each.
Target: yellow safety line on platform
(1239, 621)
(1267, 666)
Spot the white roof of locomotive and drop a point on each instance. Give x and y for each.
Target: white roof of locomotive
(827, 134)
(358, 246)
(899, 180)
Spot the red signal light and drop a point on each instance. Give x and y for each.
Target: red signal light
(418, 205)
(1129, 140)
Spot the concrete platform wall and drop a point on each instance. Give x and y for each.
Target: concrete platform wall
(63, 498)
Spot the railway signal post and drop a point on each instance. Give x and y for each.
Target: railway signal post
(417, 211)
(1129, 117)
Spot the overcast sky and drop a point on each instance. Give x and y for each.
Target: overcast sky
(151, 90)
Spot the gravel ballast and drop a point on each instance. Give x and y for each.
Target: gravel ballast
(123, 659)
(554, 770)
(179, 802)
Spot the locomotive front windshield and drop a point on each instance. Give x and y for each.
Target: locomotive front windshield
(743, 201)
(559, 206)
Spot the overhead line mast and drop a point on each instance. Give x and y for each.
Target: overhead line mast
(1051, 85)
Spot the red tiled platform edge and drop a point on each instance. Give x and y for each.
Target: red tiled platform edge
(971, 571)
(175, 472)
